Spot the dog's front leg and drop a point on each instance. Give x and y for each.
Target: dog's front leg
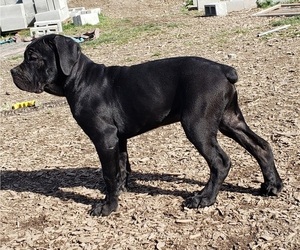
(104, 136)
(109, 158)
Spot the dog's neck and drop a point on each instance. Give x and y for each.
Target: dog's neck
(75, 81)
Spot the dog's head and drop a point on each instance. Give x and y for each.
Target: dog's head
(48, 61)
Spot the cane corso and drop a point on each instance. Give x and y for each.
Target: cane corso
(112, 104)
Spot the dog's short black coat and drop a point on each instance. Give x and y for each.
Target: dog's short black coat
(112, 104)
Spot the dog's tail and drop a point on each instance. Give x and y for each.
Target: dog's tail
(230, 74)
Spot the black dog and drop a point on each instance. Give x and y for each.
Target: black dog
(112, 104)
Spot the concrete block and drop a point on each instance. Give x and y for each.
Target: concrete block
(41, 6)
(48, 15)
(201, 3)
(95, 10)
(75, 11)
(88, 18)
(60, 4)
(46, 27)
(232, 5)
(13, 23)
(13, 10)
(48, 5)
(12, 17)
(79, 11)
(9, 2)
(216, 9)
(64, 13)
(41, 31)
(63, 7)
(52, 15)
(51, 5)
(235, 5)
(57, 23)
(29, 11)
(250, 4)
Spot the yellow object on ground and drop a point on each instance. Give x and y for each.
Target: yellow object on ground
(23, 104)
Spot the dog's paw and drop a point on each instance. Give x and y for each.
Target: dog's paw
(103, 209)
(271, 189)
(198, 201)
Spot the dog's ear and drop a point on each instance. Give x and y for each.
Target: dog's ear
(68, 53)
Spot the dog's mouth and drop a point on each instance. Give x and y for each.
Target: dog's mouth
(39, 91)
(23, 82)
(23, 86)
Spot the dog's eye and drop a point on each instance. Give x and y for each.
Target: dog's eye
(33, 58)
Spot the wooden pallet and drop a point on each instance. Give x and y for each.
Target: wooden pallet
(281, 10)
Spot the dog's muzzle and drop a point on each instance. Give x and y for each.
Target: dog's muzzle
(18, 77)
(23, 82)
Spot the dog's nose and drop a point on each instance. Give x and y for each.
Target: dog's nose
(13, 71)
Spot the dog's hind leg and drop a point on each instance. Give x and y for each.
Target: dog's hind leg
(234, 126)
(201, 127)
(124, 164)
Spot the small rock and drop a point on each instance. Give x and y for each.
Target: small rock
(232, 56)
(194, 236)
(296, 196)
(184, 221)
(160, 245)
(266, 237)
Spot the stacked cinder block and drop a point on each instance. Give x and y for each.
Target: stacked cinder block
(51, 10)
(12, 17)
(29, 11)
(19, 14)
(49, 16)
(46, 27)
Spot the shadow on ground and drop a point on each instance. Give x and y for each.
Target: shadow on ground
(50, 181)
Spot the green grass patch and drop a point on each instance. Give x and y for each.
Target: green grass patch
(112, 30)
(269, 3)
(241, 31)
(118, 31)
(221, 37)
(225, 36)
(295, 20)
(266, 3)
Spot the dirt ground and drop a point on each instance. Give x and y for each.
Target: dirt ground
(50, 172)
